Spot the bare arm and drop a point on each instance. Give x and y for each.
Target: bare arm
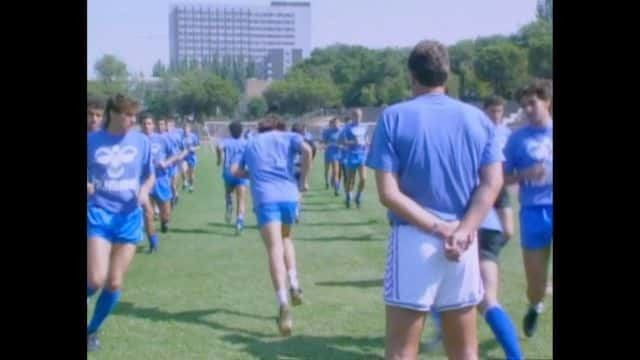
(219, 156)
(402, 205)
(307, 153)
(145, 189)
(483, 198)
(238, 172)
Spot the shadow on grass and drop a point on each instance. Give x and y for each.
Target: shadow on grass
(310, 347)
(265, 345)
(334, 224)
(358, 283)
(366, 237)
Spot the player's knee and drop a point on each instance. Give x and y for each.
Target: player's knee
(114, 283)
(95, 281)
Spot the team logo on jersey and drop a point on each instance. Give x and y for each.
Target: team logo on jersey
(540, 149)
(155, 148)
(114, 158)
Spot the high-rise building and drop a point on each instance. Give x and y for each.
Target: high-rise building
(202, 32)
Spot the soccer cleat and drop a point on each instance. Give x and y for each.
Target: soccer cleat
(284, 320)
(358, 202)
(347, 202)
(93, 343)
(228, 213)
(190, 188)
(296, 296)
(239, 226)
(530, 322)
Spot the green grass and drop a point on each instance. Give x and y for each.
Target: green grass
(207, 293)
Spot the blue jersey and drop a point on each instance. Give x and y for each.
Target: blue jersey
(528, 146)
(331, 136)
(269, 157)
(436, 146)
(190, 140)
(502, 135)
(357, 133)
(308, 136)
(117, 165)
(161, 149)
(232, 150)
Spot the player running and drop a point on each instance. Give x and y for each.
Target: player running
(227, 151)
(120, 178)
(269, 159)
(529, 163)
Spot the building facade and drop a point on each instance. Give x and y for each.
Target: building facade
(257, 33)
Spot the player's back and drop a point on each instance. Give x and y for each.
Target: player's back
(269, 157)
(436, 145)
(232, 149)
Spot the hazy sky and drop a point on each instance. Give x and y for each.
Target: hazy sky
(137, 31)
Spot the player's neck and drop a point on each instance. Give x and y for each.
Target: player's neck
(116, 129)
(545, 122)
(424, 90)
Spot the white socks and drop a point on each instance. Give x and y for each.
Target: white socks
(293, 279)
(537, 307)
(282, 296)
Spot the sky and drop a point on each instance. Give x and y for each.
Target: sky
(137, 31)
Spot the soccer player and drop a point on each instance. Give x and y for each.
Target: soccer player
(95, 111)
(494, 108)
(438, 171)
(176, 138)
(529, 163)
(269, 156)
(493, 235)
(226, 151)
(191, 144)
(332, 152)
(120, 174)
(162, 195)
(354, 137)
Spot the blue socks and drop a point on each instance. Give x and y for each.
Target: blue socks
(106, 302)
(504, 331)
(90, 291)
(153, 241)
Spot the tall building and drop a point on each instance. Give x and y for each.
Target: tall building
(201, 32)
(278, 62)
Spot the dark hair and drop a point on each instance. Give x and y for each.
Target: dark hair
(95, 102)
(298, 128)
(429, 63)
(143, 116)
(235, 128)
(271, 122)
(118, 104)
(494, 100)
(541, 88)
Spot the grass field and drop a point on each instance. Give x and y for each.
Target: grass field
(207, 294)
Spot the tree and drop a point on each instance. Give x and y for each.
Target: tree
(298, 93)
(503, 65)
(541, 57)
(110, 69)
(203, 93)
(159, 70)
(257, 107)
(544, 10)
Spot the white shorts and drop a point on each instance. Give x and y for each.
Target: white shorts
(419, 277)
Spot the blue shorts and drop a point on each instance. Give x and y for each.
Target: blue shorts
(283, 212)
(117, 228)
(230, 181)
(332, 155)
(173, 171)
(191, 161)
(355, 160)
(536, 226)
(162, 191)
